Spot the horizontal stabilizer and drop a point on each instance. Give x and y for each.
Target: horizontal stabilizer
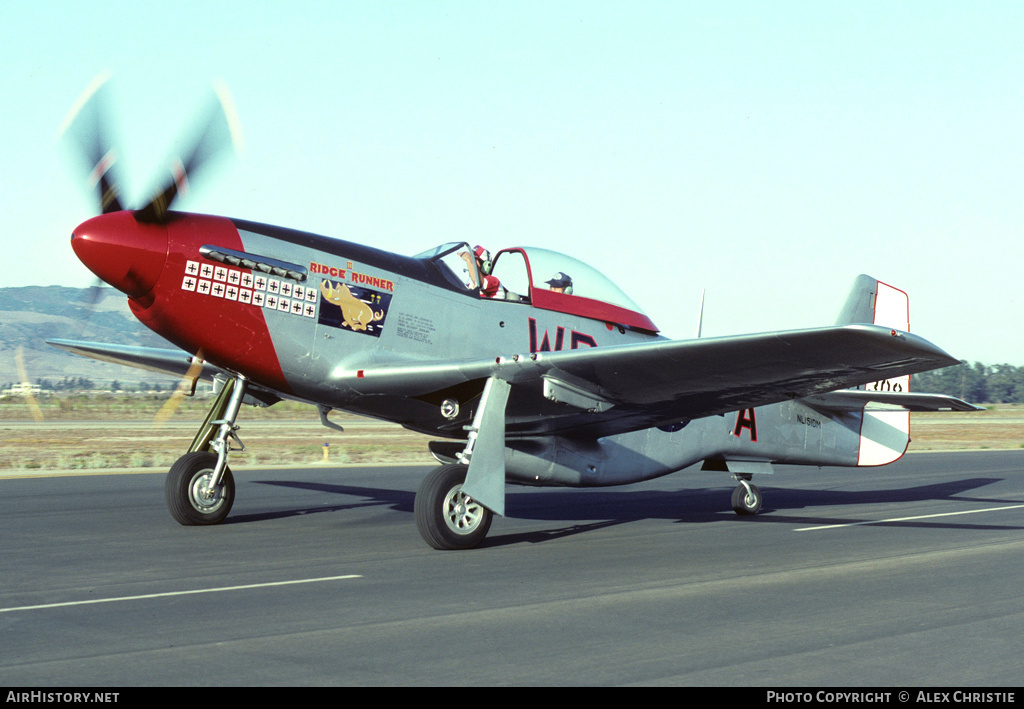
(859, 399)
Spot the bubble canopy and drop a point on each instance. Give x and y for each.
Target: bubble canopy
(545, 279)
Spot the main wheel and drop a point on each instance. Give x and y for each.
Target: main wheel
(185, 490)
(746, 503)
(446, 518)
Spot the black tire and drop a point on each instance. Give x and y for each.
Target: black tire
(445, 517)
(182, 490)
(744, 503)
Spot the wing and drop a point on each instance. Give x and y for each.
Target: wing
(600, 391)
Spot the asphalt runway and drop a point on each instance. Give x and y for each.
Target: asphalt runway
(903, 576)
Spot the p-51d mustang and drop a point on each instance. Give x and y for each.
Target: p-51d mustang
(531, 367)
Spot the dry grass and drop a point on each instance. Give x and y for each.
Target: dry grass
(1000, 426)
(108, 431)
(92, 432)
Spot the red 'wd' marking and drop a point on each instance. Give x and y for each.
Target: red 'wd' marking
(576, 339)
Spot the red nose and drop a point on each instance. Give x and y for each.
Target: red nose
(126, 253)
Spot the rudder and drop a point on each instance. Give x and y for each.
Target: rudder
(884, 435)
(875, 303)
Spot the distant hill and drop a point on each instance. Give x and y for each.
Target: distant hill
(32, 314)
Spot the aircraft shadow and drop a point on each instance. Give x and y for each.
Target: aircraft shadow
(587, 510)
(710, 504)
(400, 500)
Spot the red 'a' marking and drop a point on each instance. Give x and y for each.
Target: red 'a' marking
(746, 420)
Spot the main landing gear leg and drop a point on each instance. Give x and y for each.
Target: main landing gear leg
(455, 503)
(199, 488)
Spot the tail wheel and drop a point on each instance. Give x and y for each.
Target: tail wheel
(746, 501)
(187, 493)
(445, 516)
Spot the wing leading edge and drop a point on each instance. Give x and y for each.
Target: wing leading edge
(153, 359)
(163, 361)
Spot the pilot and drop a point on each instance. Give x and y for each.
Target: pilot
(483, 259)
(560, 283)
(490, 285)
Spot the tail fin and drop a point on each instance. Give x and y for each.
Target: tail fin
(884, 435)
(875, 303)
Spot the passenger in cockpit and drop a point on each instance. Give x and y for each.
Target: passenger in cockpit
(560, 283)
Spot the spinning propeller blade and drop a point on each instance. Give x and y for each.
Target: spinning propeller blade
(86, 126)
(217, 133)
(33, 405)
(186, 387)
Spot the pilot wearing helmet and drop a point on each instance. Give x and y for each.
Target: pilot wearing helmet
(489, 285)
(560, 283)
(483, 259)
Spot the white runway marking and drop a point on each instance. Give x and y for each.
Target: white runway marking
(180, 593)
(906, 519)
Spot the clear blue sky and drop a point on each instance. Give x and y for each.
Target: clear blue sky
(767, 152)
